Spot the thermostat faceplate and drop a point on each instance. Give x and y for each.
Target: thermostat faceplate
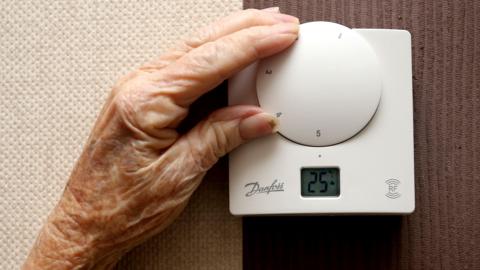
(346, 126)
(329, 68)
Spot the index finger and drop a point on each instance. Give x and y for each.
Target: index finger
(205, 67)
(224, 26)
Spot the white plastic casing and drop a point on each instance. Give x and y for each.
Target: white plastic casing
(376, 164)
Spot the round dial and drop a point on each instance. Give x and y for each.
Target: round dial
(325, 88)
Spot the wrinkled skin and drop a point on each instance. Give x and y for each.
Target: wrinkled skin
(136, 173)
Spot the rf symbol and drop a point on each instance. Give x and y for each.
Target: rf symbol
(392, 185)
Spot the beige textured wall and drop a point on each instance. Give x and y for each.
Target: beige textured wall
(58, 60)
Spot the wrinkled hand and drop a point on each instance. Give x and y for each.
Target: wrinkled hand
(136, 172)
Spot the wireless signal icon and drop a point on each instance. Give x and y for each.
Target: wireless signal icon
(392, 188)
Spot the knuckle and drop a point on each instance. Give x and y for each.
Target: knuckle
(144, 109)
(202, 36)
(210, 52)
(231, 43)
(221, 139)
(123, 103)
(206, 152)
(245, 41)
(207, 58)
(124, 82)
(218, 133)
(252, 13)
(127, 97)
(159, 63)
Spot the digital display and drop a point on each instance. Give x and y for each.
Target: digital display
(317, 182)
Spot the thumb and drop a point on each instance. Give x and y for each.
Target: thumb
(223, 131)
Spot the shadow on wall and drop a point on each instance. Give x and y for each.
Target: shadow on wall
(366, 242)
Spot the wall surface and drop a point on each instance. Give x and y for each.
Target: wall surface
(444, 231)
(58, 60)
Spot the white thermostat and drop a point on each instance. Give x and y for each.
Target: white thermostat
(343, 98)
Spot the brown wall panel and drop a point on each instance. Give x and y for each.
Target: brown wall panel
(444, 231)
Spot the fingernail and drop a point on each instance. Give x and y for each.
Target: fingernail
(285, 18)
(285, 28)
(272, 9)
(258, 125)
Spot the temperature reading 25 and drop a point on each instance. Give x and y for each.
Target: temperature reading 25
(317, 182)
(317, 177)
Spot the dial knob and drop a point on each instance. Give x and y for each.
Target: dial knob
(325, 88)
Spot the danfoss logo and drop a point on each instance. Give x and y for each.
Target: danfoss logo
(255, 188)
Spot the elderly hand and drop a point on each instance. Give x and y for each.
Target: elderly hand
(136, 173)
